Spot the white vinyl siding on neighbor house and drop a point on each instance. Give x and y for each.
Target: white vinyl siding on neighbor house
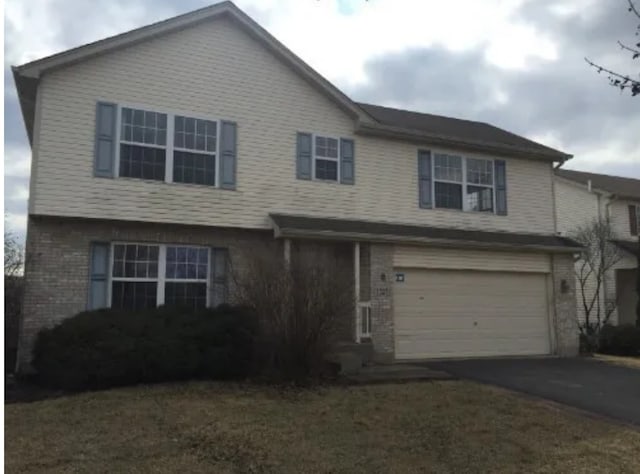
(575, 205)
(229, 74)
(619, 212)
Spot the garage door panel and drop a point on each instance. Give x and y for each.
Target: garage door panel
(441, 348)
(454, 313)
(496, 325)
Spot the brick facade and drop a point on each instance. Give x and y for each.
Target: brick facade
(565, 320)
(57, 266)
(57, 271)
(381, 271)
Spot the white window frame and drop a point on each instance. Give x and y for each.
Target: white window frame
(162, 270)
(169, 148)
(326, 158)
(463, 183)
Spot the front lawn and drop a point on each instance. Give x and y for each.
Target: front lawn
(213, 427)
(626, 361)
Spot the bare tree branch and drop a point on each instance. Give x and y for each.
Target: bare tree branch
(633, 8)
(636, 52)
(598, 258)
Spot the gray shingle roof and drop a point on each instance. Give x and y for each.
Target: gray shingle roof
(631, 247)
(399, 232)
(452, 127)
(624, 187)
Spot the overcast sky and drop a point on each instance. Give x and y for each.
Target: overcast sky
(517, 64)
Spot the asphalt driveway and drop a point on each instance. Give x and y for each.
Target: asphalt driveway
(587, 384)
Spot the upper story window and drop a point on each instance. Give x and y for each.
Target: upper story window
(190, 156)
(326, 158)
(143, 144)
(323, 158)
(452, 181)
(163, 146)
(195, 150)
(463, 183)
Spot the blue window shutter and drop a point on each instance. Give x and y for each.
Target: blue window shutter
(347, 161)
(501, 187)
(228, 145)
(219, 270)
(303, 156)
(105, 146)
(98, 274)
(425, 181)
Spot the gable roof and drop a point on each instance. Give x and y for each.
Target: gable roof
(626, 188)
(27, 75)
(369, 119)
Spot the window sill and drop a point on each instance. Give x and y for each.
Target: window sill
(173, 183)
(446, 209)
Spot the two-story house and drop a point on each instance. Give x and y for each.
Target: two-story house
(162, 155)
(582, 198)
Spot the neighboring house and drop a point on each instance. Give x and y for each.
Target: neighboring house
(163, 156)
(582, 198)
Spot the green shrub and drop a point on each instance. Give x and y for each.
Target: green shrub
(620, 340)
(107, 348)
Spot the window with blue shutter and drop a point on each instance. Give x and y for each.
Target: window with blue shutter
(501, 187)
(303, 155)
(425, 182)
(98, 275)
(347, 161)
(219, 270)
(105, 145)
(228, 144)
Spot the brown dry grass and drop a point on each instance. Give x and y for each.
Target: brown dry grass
(632, 362)
(209, 427)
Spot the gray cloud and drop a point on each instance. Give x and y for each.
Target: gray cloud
(565, 98)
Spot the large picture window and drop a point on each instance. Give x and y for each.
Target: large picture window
(463, 183)
(167, 147)
(145, 276)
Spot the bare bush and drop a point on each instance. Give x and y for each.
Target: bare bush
(13, 289)
(301, 307)
(598, 257)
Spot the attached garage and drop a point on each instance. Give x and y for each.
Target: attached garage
(470, 303)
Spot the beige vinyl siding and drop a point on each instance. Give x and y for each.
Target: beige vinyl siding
(575, 206)
(619, 212)
(215, 69)
(430, 257)
(457, 313)
(627, 262)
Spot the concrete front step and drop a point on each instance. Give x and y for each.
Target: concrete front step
(351, 356)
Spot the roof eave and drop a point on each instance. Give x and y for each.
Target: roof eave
(27, 90)
(388, 131)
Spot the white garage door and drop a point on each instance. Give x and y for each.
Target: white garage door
(462, 313)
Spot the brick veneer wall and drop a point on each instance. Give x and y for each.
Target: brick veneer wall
(566, 317)
(381, 268)
(57, 263)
